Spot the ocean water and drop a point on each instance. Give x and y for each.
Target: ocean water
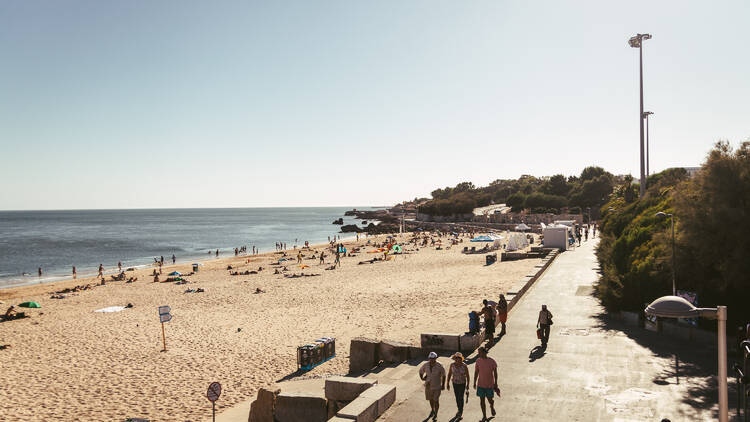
(57, 240)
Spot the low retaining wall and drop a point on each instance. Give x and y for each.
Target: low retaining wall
(675, 330)
(365, 354)
(346, 398)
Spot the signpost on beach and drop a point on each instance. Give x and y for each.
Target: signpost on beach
(164, 316)
(213, 393)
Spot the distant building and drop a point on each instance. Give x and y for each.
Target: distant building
(691, 171)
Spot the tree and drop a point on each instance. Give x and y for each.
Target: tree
(516, 201)
(557, 185)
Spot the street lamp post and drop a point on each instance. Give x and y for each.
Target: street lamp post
(637, 42)
(648, 151)
(671, 217)
(677, 307)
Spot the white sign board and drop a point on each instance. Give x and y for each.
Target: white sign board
(164, 310)
(165, 318)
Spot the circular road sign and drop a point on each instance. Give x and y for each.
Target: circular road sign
(214, 391)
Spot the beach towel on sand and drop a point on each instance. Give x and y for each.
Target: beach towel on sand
(111, 309)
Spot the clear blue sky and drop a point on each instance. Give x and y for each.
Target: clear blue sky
(120, 104)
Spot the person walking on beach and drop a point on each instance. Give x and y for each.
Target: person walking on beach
(74, 272)
(433, 374)
(543, 323)
(299, 257)
(485, 381)
(119, 266)
(458, 372)
(174, 259)
(502, 312)
(40, 271)
(101, 270)
(217, 253)
(162, 260)
(337, 261)
(322, 257)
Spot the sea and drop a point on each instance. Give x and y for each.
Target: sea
(58, 240)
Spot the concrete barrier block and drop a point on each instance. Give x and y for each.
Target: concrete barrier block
(363, 354)
(261, 409)
(470, 342)
(300, 407)
(334, 406)
(438, 341)
(393, 351)
(363, 409)
(338, 419)
(418, 353)
(384, 394)
(346, 388)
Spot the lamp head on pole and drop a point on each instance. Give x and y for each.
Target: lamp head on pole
(635, 41)
(647, 113)
(677, 307)
(662, 214)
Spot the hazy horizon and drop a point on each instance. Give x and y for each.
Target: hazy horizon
(149, 105)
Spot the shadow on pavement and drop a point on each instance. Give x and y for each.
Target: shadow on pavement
(537, 352)
(692, 363)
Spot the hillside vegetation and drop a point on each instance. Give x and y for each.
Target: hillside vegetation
(537, 194)
(712, 226)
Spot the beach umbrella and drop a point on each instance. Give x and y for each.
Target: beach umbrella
(30, 305)
(174, 273)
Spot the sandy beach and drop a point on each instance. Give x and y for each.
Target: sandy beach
(67, 362)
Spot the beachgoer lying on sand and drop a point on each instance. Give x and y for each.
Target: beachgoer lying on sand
(57, 297)
(332, 267)
(132, 279)
(258, 290)
(276, 271)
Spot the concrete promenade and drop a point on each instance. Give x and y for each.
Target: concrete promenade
(593, 369)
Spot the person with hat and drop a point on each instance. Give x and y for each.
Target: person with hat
(544, 321)
(458, 372)
(433, 374)
(485, 381)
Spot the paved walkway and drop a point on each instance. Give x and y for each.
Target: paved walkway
(593, 369)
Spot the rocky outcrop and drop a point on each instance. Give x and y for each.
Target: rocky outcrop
(351, 228)
(340, 221)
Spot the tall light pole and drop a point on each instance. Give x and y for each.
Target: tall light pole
(671, 217)
(637, 42)
(648, 152)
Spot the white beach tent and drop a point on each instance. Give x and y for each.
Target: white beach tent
(522, 227)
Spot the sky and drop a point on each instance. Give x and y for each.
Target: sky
(160, 104)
